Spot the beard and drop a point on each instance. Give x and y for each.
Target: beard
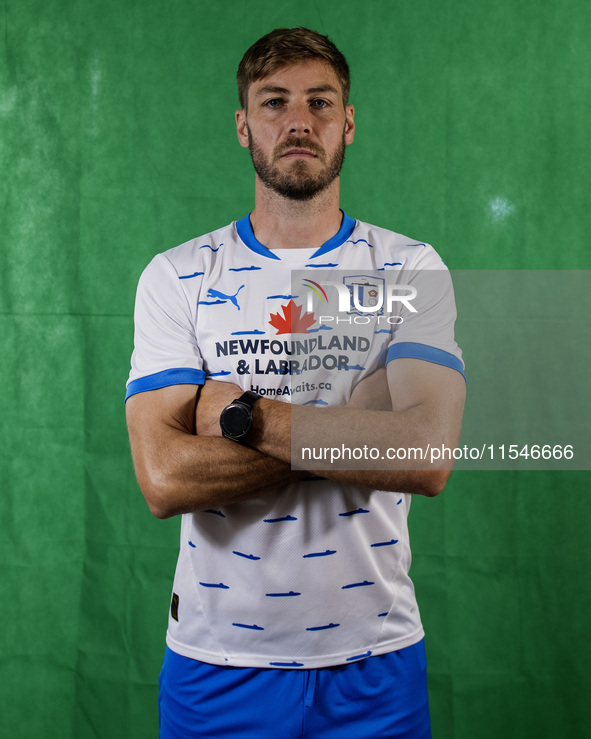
(297, 183)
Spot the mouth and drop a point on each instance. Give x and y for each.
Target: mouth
(298, 153)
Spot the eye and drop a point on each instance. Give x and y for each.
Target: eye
(274, 103)
(319, 103)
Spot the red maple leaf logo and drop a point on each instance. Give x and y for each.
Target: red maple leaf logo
(292, 321)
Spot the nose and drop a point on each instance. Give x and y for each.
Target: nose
(299, 120)
(299, 128)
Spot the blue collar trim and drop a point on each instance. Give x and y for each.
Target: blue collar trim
(246, 233)
(339, 238)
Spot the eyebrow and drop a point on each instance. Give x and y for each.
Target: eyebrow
(284, 91)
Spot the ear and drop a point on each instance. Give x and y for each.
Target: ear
(242, 128)
(349, 124)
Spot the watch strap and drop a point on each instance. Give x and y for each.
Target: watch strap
(248, 398)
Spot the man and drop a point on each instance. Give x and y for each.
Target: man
(292, 611)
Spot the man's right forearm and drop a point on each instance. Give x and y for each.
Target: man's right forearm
(179, 471)
(189, 473)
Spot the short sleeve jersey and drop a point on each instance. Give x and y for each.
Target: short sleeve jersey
(318, 573)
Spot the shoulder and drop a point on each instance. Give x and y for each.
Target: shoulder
(192, 253)
(180, 269)
(191, 259)
(397, 249)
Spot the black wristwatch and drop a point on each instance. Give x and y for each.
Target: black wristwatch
(236, 419)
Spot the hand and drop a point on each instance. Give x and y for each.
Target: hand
(213, 397)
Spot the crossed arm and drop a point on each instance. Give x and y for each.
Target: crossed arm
(183, 463)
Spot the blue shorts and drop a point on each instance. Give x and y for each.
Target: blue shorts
(379, 697)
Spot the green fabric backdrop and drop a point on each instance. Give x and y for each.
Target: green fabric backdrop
(117, 141)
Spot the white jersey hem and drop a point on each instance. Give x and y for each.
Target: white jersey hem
(292, 663)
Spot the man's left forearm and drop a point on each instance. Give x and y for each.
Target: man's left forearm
(427, 411)
(280, 431)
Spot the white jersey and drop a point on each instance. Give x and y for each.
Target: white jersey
(317, 574)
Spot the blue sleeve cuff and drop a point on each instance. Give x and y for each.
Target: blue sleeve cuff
(411, 350)
(179, 376)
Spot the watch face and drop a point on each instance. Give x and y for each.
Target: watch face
(236, 420)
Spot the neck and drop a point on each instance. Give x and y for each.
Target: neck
(281, 223)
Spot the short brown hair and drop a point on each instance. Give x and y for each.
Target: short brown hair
(283, 47)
